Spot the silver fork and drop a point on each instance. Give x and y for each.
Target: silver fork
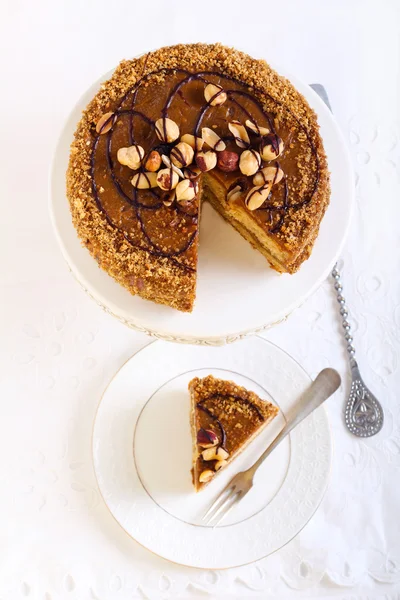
(324, 385)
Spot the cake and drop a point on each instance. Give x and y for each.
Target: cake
(187, 124)
(224, 418)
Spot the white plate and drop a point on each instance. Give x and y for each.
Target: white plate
(142, 455)
(237, 293)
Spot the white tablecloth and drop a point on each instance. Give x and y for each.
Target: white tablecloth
(58, 349)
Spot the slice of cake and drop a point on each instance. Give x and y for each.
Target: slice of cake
(224, 417)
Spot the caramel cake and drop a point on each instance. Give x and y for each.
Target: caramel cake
(224, 419)
(187, 124)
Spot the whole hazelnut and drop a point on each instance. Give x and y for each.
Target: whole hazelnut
(186, 190)
(144, 181)
(207, 438)
(153, 162)
(167, 179)
(181, 155)
(131, 156)
(227, 161)
(268, 174)
(166, 129)
(271, 146)
(250, 162)
(214, 94)
(105, 123)
(206, 160)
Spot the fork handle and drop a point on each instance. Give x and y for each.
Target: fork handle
(323, 386)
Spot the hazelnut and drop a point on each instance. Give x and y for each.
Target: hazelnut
(220, 464)
(268, 174)
(234, 193)
(257, 196)
(252, 125)
(153, 162)
(207, 438)
(227, 161)
(131, 156)
(182, 154)
(206, 160)
(209, 454)
(166, 129)
(144, 181)
(271, 146)
(167, 162)
(206, 476)
(105, 123)
(191, 172)
(167, 179)
(212, 139)
(221, 454)
(214, 94)
(250, 162)
(168, 199)
(240, 134)
(194, 142)
(186, 190)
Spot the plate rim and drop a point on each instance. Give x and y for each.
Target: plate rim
(107, 303)
(202, 568)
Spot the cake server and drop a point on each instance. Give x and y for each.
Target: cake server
(363, 412)
(324, 385)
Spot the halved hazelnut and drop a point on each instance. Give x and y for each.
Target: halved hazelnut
(257, 196)
(206, 160)
(250, 162)
(206, 476)
(271, 146)
(221, 454)
(144, 181)
(167, 179)
(186, 190)
(268, 174)
(131, 156)
(220, 464)
(239, 132)
(214, 94)
(209, 454)
(227, 161)
(153, 162)
(182, 155)
(167, 162)
(207, 438)
(166, 129)
(234, 193)
(194, 142)
(252, 125)
(212, 139)
(191, 172)
(105, 123)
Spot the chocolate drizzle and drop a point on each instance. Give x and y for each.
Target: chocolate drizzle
(200, 406)
(275, 211)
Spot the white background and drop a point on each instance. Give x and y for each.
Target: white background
(58, 349)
